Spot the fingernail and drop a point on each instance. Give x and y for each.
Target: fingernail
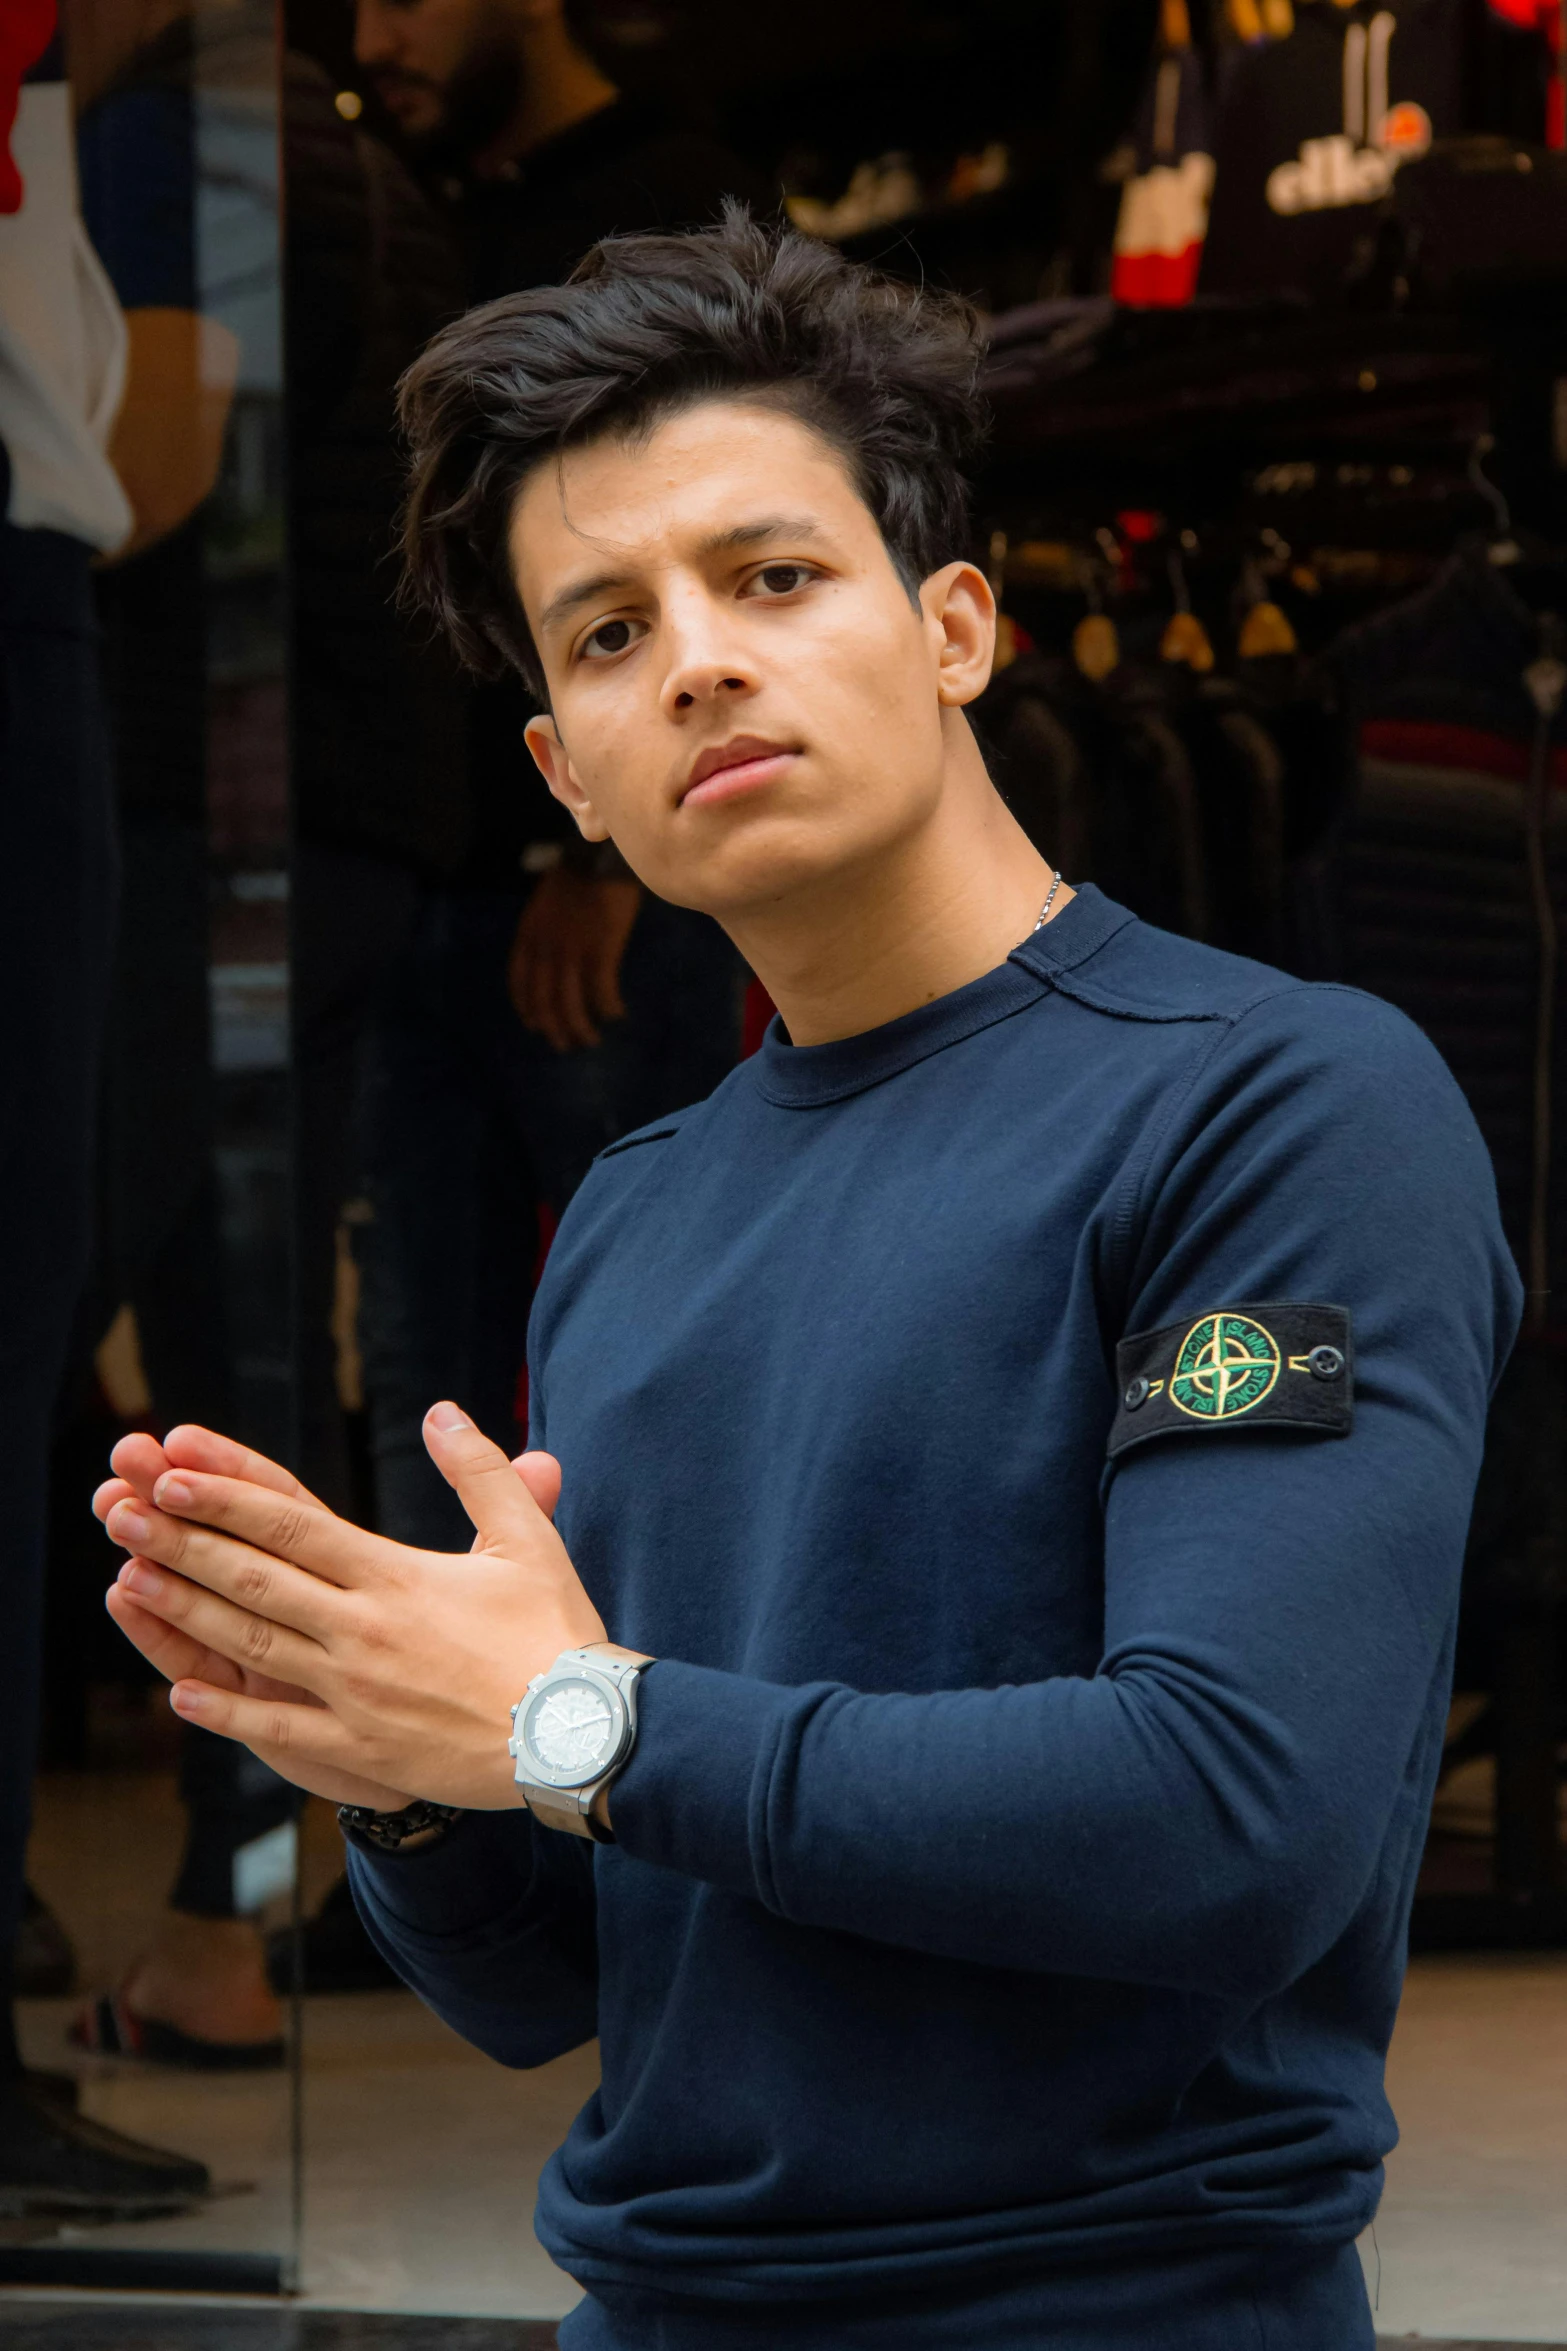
(172, 1493)
(128, 1526)
(447, 1417)
(185, 1701)
(141, 1579)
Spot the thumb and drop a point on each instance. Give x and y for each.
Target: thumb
(540, 1473)
(498, 1501)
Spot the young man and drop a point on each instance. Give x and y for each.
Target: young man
(1020, 1429)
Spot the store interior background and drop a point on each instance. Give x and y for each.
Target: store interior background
(1233, 495)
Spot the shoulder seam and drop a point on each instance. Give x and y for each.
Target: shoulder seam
(1100, 999)
(635, 1142)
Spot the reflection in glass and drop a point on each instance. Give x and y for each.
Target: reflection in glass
(161, 1854)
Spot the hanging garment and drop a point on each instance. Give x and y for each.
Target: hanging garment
(1482, 223)
(1423, 891)
(1312, 130)
(1110, 397)
(1038, 763)
(1099, 778)
(1164, 205)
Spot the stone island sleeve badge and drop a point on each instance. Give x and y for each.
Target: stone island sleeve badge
(1271, 1366)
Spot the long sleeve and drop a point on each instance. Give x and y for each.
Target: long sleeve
(1209, 1810)
(493, 1927)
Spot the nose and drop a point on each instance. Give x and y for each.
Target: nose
(373, 34)
(708, 661)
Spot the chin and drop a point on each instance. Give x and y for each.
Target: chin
(756, 867)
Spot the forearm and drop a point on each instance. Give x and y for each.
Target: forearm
(1203, 1814)
(493, 1927)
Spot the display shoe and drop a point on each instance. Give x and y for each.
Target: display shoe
(44, 1960)
(55, 2160)
(110, 2027)
(336, 1953)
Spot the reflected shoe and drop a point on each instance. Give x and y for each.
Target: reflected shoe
(54, 2089)
(44, 1960)
(54, 2160)
(336, 1955)
(110, 2027)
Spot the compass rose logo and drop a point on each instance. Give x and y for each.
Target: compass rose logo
(1226, 1365)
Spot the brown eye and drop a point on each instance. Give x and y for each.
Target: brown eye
(781, 579)
(613, 637)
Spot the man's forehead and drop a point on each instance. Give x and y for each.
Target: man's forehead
(719, 477)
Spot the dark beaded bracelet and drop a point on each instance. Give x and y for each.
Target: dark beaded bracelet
(386, 1831)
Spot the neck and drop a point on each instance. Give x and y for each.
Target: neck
(946, 906)
(560, 87)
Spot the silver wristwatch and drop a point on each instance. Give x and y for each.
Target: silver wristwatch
(574, 1731)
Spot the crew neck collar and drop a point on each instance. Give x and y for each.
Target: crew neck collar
(805, 1077)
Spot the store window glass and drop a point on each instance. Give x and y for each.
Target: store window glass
(154, 2133)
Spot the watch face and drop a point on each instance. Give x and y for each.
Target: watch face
(572, 1729)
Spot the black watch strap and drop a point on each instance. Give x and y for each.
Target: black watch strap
(384, 1832)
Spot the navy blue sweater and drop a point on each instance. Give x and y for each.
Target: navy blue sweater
(1014, 1866)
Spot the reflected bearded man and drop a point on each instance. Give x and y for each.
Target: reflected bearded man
(978, 1605)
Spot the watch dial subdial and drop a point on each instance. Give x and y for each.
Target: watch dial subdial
(572, 1729)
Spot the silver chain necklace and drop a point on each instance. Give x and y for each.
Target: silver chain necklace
(1044, 911)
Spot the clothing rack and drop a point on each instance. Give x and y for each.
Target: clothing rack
(1209, 454)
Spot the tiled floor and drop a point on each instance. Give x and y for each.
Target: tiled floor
(1473, 2227)
(421, 2156)
(81, 2326)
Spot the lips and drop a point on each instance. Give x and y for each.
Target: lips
(736, 766)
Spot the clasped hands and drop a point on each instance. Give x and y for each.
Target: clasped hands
(358, 1668)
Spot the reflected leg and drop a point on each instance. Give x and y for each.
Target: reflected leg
(432, 1178)
(54, 960)
(353, 913)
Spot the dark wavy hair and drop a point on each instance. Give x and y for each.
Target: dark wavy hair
(647, 325)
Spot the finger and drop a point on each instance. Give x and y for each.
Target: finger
(292, 1738)
(323, 1779)
(173, 1653)
(575, 1018)
(549, 1017)
(292, 1529)
(499, 1501)
(192, 1447)
(540, 1473)
(253, 1579)
(254, 1643)
(140, 1460)
(111, 1491)
(604, 978)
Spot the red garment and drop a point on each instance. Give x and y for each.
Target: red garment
(1421, 742)
(1543, 16)
(26, 30)
(1164, 205)
(759, 1010)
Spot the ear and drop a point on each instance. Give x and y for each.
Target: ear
(549, 752)
(958, 601)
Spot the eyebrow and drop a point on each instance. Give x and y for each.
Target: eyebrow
(741, 534)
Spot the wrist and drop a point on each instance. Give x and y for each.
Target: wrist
(573, 1733)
